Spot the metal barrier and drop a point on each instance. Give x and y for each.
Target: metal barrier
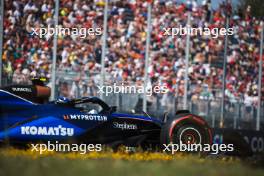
(238, 115)
(6, 80)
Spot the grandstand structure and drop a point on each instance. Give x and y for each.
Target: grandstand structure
(133, 30)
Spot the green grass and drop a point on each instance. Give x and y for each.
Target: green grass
(52, 165)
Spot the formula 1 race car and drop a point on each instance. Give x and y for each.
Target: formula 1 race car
(26, 116)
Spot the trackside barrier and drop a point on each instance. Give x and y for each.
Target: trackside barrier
(245, 140)
(238, 115)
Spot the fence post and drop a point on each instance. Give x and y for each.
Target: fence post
(117, 100)
(191, 107)
(54, 52)
(104, 37)
(235, 119)
(147, 57)
(1, 39)
(213, 120)
(173, 105)
(260, 78)
(224, 78)
(187, 52)
(239, 113)
(177, 97)
(207, 107)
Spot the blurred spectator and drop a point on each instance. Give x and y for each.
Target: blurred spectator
(26, 55)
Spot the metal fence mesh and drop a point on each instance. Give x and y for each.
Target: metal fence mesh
(238, 115)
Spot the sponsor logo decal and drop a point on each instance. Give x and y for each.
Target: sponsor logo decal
(125, 126)
(85, 117)
(21, 89)
(47, 131)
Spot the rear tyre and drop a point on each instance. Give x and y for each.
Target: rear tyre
(186, 129)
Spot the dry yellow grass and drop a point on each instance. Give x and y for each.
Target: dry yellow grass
(27, 162)
(109, 154)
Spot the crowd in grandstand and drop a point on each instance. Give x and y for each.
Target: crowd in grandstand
(26, 55)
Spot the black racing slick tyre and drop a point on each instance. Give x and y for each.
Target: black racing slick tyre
(185, 129)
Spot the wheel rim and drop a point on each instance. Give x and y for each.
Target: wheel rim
(190, 135)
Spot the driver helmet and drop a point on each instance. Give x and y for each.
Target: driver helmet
(93, 111)
(62, 100)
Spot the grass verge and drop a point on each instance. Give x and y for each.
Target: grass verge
(24, 162)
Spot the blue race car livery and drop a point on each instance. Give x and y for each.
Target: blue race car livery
(26, 116)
